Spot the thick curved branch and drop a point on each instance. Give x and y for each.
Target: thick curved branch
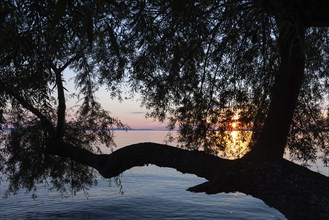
(193, 162)
(111, 165)
(294, 190)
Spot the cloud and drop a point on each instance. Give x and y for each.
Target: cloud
(137, 113)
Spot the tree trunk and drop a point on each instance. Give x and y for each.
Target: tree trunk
(294, 190)
(273, 137)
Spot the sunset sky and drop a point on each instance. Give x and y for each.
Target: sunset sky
(129, 112)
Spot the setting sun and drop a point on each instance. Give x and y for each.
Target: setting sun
(237, 139)
(235, 119)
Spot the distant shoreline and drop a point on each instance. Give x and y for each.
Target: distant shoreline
(157, 129)
(109, 129)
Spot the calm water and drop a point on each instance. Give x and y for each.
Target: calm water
(149, 193)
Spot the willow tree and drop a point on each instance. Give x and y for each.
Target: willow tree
(201, 65)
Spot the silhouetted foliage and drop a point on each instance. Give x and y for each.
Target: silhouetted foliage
(195, 63)
(39, 40)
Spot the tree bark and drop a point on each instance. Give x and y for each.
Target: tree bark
(286, 88)
(294, 190)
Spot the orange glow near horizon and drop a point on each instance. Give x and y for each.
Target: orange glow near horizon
(234, 125)
(237, 140)
(235, 122)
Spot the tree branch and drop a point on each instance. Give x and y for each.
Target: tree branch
(61, 96)
(61, 103)
(193, 162)
(115, 46)
(294, 190)
(111, 165)
(25, 103)
(69, 62)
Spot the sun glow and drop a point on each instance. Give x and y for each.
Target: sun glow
(237, 139)
(234, 125)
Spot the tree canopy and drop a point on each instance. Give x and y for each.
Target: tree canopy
(196, 64)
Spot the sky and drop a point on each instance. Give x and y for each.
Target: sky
(130, 112)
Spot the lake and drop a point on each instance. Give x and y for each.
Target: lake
(149, 192)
